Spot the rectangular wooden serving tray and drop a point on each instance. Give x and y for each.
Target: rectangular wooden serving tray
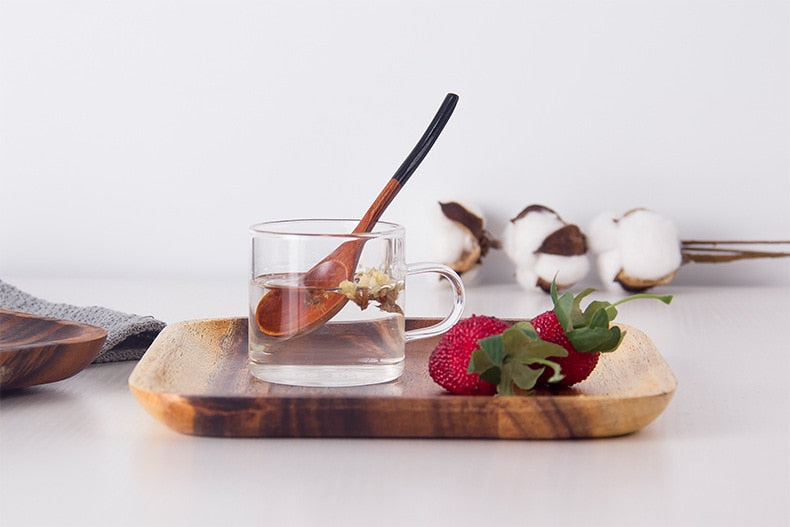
(194, 379)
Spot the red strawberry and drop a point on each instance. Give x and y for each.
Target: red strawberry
(576, 366)
(560, 346)
(449, 361)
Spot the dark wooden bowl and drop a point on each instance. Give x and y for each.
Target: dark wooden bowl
(38, 350)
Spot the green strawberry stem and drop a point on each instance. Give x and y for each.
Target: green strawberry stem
(664, 298)
(612, 312)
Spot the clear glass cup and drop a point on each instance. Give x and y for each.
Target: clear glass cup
(363, 340)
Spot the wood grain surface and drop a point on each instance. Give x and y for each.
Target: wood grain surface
(39, 350)
(194, 379)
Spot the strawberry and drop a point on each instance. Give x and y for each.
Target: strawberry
(449, 361)
(575, 366)
(558, 347)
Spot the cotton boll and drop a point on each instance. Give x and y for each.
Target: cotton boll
(448, 241)
(459, 239)
(649, 245)
(543, 247)
(637, 251)
(525, 233)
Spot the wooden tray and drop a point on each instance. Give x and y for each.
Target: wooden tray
(38, 350)
(194, 379)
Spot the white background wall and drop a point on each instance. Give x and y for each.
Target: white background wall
(141, 138)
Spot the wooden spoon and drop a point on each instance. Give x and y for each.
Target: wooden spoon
(285, 312)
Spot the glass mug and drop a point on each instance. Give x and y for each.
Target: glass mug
(364, 342)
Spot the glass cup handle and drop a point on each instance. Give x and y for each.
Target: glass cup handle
(459, 296)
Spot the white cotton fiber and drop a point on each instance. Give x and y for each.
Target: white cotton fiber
(568, 269)
(526, 277)
(649, 245)
(448, 240)
(609, 265)
(602, 233)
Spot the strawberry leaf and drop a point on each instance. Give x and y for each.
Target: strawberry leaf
(577, 317)
(536, 350)
(556, 376)
(522, 375)
(527, 327)
(494, 348)
(492, 375)
(525, 348)
(515, 340)
(480, 362)
(562, 307)
(599, 319)
(597, 306)
(595, 340)
(505, 385)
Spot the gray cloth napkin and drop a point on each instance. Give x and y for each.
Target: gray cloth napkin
(128, 335)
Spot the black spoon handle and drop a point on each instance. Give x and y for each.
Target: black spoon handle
(408, 166)
(427, 140)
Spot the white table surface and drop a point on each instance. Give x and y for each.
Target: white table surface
(83, 452)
